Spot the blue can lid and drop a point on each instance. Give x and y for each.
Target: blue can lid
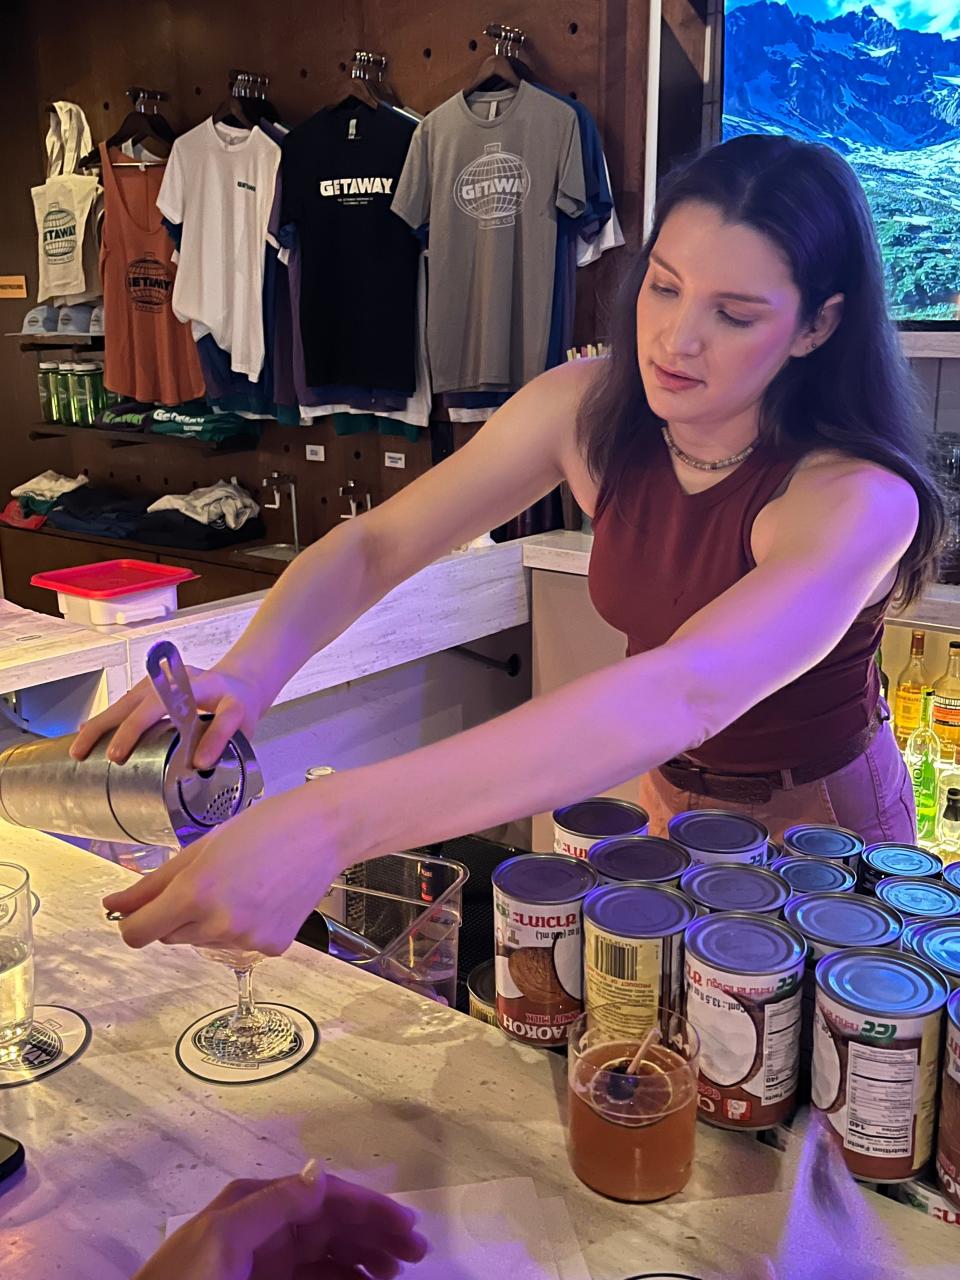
(814, 875)
(735, 887)
(902, 860)
(951, 874)
(638, 910)
(937, 942)
(884, 983)
(926, 898)
(647, 858)
(601, 816)
(843, 919)
(742, 943)
(822, 842)
(544, 877)
(716, 831)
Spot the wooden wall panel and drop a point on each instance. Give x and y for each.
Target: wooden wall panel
(593, 48)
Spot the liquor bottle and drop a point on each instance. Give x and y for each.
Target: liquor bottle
(950, 826)
(923, 761)
(909, 690)
(946, 705)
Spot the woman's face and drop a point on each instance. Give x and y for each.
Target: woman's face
(718, 316)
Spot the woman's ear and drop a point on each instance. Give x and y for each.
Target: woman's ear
(824, 323)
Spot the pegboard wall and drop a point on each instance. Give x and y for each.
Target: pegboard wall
(594, 49)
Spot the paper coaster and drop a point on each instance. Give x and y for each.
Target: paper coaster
(192, 1058)
(57, 1037)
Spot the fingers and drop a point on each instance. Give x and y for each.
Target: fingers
(227, 719)
(154, 908)
(256, 1218)
(144, 890)
(94, 729)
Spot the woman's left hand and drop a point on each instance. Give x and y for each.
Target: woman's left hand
(249, 884)
(286, 1228)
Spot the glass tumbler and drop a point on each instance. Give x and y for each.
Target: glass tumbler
(631, 1132)
(16, 960)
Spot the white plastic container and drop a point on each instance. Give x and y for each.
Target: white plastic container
(115, 592)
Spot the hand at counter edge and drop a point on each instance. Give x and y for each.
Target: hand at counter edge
(282, 1228)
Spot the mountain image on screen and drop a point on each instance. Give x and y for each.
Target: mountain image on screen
(887, 97)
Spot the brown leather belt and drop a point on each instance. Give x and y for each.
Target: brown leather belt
(758, 788)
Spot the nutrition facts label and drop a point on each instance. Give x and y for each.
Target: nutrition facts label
(881, 1093)
(780, 1038)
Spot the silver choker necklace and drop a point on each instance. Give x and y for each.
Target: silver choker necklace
(698, 464)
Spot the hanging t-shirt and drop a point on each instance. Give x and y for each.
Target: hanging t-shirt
(358, 260)
(219, 184)
(489, 176)
(150, 355)
(62, 207)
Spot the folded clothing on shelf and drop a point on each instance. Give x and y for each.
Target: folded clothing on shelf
(128, 415)
(174, 529)
(200, 423)
(13, 514)
(108, 513)
(100, 512)
(49, 484)
(223, 502)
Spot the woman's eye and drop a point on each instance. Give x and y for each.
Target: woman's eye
(740, 324)
(664, 290)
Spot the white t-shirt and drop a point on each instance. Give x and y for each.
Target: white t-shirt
(63, 208)
(219, 183)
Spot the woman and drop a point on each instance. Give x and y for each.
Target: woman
(759, 495)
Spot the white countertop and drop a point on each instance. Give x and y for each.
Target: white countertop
(401, 1094)
(458, 599)
(566, 551)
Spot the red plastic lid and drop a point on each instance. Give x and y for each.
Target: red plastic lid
(111, 578)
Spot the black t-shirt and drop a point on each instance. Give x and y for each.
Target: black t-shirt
(358, 296)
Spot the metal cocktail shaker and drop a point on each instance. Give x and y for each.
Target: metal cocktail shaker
(152, 799)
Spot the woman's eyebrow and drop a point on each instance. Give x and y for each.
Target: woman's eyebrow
(734, 297)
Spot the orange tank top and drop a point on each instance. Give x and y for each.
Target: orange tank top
(148, 354)
(661, 554)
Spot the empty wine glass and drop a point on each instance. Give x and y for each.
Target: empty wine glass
(16, 960)
(250, 1033)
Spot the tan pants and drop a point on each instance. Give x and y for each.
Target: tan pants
(872, 796)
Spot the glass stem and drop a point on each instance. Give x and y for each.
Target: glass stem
(244, 1017)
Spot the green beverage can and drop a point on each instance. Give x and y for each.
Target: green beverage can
(64, 398)
(47, 386)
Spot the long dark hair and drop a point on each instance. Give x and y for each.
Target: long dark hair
(855, 393)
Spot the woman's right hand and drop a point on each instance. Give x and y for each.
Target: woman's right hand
(236, 702)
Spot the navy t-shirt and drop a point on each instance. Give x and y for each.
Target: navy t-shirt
(358, 300)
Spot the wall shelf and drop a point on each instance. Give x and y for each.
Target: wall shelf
(241, 443)
(44, 341)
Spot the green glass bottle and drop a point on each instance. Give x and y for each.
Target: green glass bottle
(923, 760)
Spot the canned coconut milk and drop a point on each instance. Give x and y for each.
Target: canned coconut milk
(743, 979)
(814, 875)
(937, 942)
(881, 860)
(835, 843)
(735, 888)
(538, 923)
(633, 953)
(714, 835)
(639, 860)
(948, 1139)
(482, 993)
(578, 827)
(919, 899)
(876, 1052)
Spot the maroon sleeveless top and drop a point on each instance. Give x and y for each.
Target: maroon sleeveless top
(661, 554)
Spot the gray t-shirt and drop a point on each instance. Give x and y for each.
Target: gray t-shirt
(488, 176)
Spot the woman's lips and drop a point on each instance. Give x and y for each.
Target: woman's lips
(674, 381)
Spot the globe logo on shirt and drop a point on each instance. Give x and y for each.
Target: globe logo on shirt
(59, 234)
(148, 282)
(493, 187)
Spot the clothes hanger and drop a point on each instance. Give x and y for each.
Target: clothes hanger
(232, 111)
(137, 127)
(503, 68)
